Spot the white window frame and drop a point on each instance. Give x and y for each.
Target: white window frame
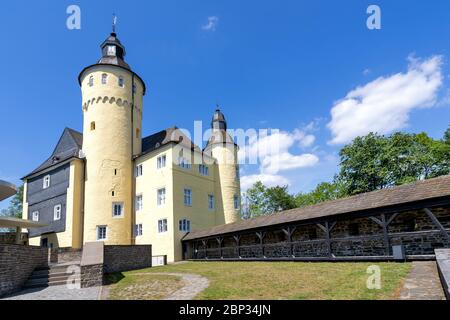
(35, 216)
(138, 230)
(111, 50)
(57, 212)
(121, 82)
(46, 182)
(139, 170)
(184, 225)
(236, 202)
(98, 233)
(163, 225)
(104, 78)
(114, 204)
(213, 202)
(161, 161)
(187, 197)
(139, 202)
(203, 169)
(161, 197)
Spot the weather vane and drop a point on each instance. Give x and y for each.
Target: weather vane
(114, 23)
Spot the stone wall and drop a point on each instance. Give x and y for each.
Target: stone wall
(64, 255)
(10, 237)
(17, 263)
(91, 275)
(123, 258)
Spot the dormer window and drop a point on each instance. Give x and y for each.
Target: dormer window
(111, 50)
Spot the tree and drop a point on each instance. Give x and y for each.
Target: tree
(446, 139)
(255, 200)
(279, 199)
(15, 206)
(261, 200)
(325, 191)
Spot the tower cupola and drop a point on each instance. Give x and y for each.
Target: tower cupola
(218, 121)
(113, 52)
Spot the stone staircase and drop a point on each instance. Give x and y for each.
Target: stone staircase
(53, 275)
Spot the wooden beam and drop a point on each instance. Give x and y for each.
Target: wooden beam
(220, 241)
(394, 215)
(289, 232)
(261, 235)
(205, 246)
(237, 238)
(327, 229)
(437, 224)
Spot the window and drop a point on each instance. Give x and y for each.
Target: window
(211, 202)
(117, 209)
(237, 173)
(92, 125)
(35, 215)
(161, 196)
(162, 225)
(236, 202)
(184, 163)
(121, 82)
(91, 81)
(188, 197)
(353, 229)
(57, 212)
(111, 50)
(139, 202)
(134, 88)
(203, 170)
(138, 133)
(104, 78)
(184, 225)
(139, 170)
(101, 232)
(46, 182)
(138, 230)
(161, 162)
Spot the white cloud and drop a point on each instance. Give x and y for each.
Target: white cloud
(211, 25)
(384, 104)
(273, 155)
(267, 179)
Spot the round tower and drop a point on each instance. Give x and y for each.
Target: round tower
(222, 147)
(112, 100)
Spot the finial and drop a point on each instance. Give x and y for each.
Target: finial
(114, 23)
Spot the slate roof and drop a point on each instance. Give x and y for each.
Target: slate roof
(166, 136)
(68, 146)
(421, 190)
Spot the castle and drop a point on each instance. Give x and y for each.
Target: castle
(110, 184)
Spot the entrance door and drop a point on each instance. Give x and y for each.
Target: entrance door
(44, 242)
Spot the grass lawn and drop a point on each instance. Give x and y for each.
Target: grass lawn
(270, 280)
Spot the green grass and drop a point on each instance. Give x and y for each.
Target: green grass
(277, 280)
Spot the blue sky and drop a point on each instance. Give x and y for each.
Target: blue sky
(270, 64)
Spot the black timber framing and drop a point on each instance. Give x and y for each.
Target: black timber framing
(381, 216)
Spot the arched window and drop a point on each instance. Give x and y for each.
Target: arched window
(104, 78)
(121, 82)
(91, 81)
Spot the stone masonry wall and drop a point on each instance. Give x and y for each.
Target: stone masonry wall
(124, 258)
(17, 262)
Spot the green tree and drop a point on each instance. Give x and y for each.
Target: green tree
(255, 200)
(279, 199)
(447, 136)
(15, 206)
(325, 191)
(261, 200)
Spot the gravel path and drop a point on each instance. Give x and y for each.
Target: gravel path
(193, 285)
(423, 283)
(56, 293)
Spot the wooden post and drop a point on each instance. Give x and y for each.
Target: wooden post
(261, 236)
(205, 245)
(220, 241)
(238, 245)
(437, 224)
(384, 223)
(289, 232)
(327, 229)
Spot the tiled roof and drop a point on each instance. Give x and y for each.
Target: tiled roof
(421, 190)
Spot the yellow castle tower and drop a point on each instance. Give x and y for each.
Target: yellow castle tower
(112, 100)
(222, 147)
